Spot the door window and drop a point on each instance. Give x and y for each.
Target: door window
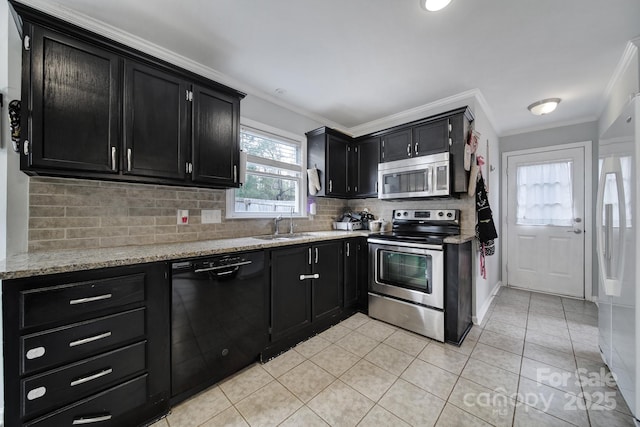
(545, 194)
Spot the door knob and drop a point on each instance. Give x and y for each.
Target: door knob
(575, 230)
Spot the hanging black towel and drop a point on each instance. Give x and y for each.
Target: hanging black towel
(485, 229)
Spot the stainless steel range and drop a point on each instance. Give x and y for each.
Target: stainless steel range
(407, 277)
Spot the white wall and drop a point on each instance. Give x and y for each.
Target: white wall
(488, 147)
(624, 85)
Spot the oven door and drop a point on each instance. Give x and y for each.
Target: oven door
(409, 271)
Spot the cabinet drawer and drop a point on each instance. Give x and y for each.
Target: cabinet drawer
(52, 304)
(102, 409)
(62, 386)
(79, 340)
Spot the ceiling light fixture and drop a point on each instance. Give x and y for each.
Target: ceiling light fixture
(434, 5)
(545, 106)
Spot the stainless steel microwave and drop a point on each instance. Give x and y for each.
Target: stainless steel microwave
(418, 177)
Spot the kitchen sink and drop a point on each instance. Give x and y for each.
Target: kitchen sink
(284, 236)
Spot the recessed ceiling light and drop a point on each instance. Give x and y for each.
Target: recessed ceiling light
(434, 5)
(545, 106)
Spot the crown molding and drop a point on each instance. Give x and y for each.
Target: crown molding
(551, 125)
(625, 62)
(135, 42)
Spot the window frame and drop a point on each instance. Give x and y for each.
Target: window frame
(277, 134)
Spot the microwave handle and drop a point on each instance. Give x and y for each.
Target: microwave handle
(430, 172)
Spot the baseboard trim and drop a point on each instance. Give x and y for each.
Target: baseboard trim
(479, 317)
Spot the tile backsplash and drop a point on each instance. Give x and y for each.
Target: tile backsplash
(75, 214)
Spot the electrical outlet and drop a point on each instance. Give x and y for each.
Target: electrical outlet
(211, 216)
(183, 216)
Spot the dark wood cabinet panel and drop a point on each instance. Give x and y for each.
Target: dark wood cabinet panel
(367, 157)
(328, 287)
(396, 145)
(216, 127)
(290, 296)
(351, 276)
(431, 138)
(156, 127)
(71, 101)
(337, 166)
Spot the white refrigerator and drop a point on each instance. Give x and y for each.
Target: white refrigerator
(618, 252)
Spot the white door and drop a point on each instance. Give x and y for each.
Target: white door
(546, 222)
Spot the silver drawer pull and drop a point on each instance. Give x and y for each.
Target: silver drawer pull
(309, 276)
(91, 377)
(36, 393)
(34, 353)
(90, 339)
(79, 421)
(89, 299)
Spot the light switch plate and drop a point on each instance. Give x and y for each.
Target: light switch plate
(211, 216)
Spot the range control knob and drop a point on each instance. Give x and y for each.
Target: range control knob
(449, 214)
(440, 213)
(406, 214)
(398, 213)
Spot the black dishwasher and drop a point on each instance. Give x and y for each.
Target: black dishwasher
(219, 319)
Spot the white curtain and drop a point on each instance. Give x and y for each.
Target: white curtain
(545, 194)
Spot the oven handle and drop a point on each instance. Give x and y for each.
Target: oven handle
(396, 243)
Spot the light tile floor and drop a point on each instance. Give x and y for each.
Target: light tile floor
(521, 368)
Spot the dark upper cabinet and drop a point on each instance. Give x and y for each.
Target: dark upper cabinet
(329, 151)
(70, 95)
(216, 129)
(94, 108)
(156, 128)
(366, 156)
(396, 145)
(431, 138)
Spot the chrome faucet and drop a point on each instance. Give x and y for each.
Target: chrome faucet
(276, 221)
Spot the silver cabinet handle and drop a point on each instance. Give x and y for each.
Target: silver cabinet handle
(309, 256)
(309, 276)
(129, 159)
(91, 377)
(408, 149)
(450, 142)
(316, 255)
(235, 173)
(114, 160)
(36, 393)
(220, 267)
(415, 148)
(348, 245)
(25, 147)
(99, 419)
(35, 353)
(330, 186)
(89, 299)
(90, 339)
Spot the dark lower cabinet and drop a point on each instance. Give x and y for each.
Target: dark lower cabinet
(70, 104)
(306, 292)
(458, 292)
(102, 354)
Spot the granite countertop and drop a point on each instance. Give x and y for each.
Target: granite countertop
(51, 262)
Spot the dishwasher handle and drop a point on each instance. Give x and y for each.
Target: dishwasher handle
(220, 267)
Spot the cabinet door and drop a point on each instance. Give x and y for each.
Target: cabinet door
(351, 273)
(337, 166)
(431, 138)
(368, 156)
(290, 296)
(156, 126)
(396, 145)
(216, 125)
(73, 97)
(328, 288)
